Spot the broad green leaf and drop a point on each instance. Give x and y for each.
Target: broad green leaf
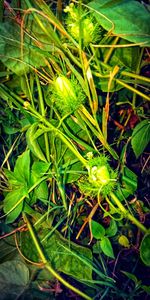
(11, 200)
(33, 143)
(112, 229)
(66, 257)
(124, 57)
(127, 18)
(40, 193)
(145, 250)
(22, 167)
(39, 168)
(13, 179)
(140, 137)
(14, 278)
(10, 51)
(98, 231)
(107, 247)
(97, 248)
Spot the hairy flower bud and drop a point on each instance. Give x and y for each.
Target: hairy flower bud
(67, 94)
(101, 177)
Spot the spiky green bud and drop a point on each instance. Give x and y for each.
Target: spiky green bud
(101, 177)
(67, 94)
(83, 18)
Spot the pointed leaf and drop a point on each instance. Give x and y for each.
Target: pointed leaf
(145, 250)
(112, 229)
(140, 137)
(33, 143)
(98, 231)
(107, 247)
(22, 166)
(11, 200)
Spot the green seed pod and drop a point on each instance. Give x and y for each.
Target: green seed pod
(67, 94)
(90, 28)
(101, 177)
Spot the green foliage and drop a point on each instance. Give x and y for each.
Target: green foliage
(81, 24)
(107, 247)
(134, 19)
(140, 133)
(99, 232)
(31, 137)
(101, 177)
(123, 241)
(66, 257)
(22, 181)
(112, 229)
(14, 279)
(72, 92)
(145, 250)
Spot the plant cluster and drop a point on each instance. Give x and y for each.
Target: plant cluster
(75, 129)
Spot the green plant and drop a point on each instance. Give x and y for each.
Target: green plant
(76, 98)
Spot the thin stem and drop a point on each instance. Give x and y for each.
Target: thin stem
(46, 262)
(127, 213)
(42, 110)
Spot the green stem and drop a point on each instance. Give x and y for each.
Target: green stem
(99, 135)
(110, 51)
(42, 110)
(46, 262)
(15, 99)
(137, 72)
(127, 214)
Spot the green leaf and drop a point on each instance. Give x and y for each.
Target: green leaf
(123, 241)
(33, 143)
(65, 256)
(121, 17)
(132, 277)
(10, 49)
(112, 229)
(98, 231)
(40, 193)
(39, 168)
(140, 137)
(14, 278)
(11, 200)
(129, 184)
(107, 247)
(13, 180)
(22, 167)
(145, 250)
(7, 245)
(146, 289)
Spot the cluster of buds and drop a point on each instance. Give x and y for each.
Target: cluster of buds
(80, 22)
